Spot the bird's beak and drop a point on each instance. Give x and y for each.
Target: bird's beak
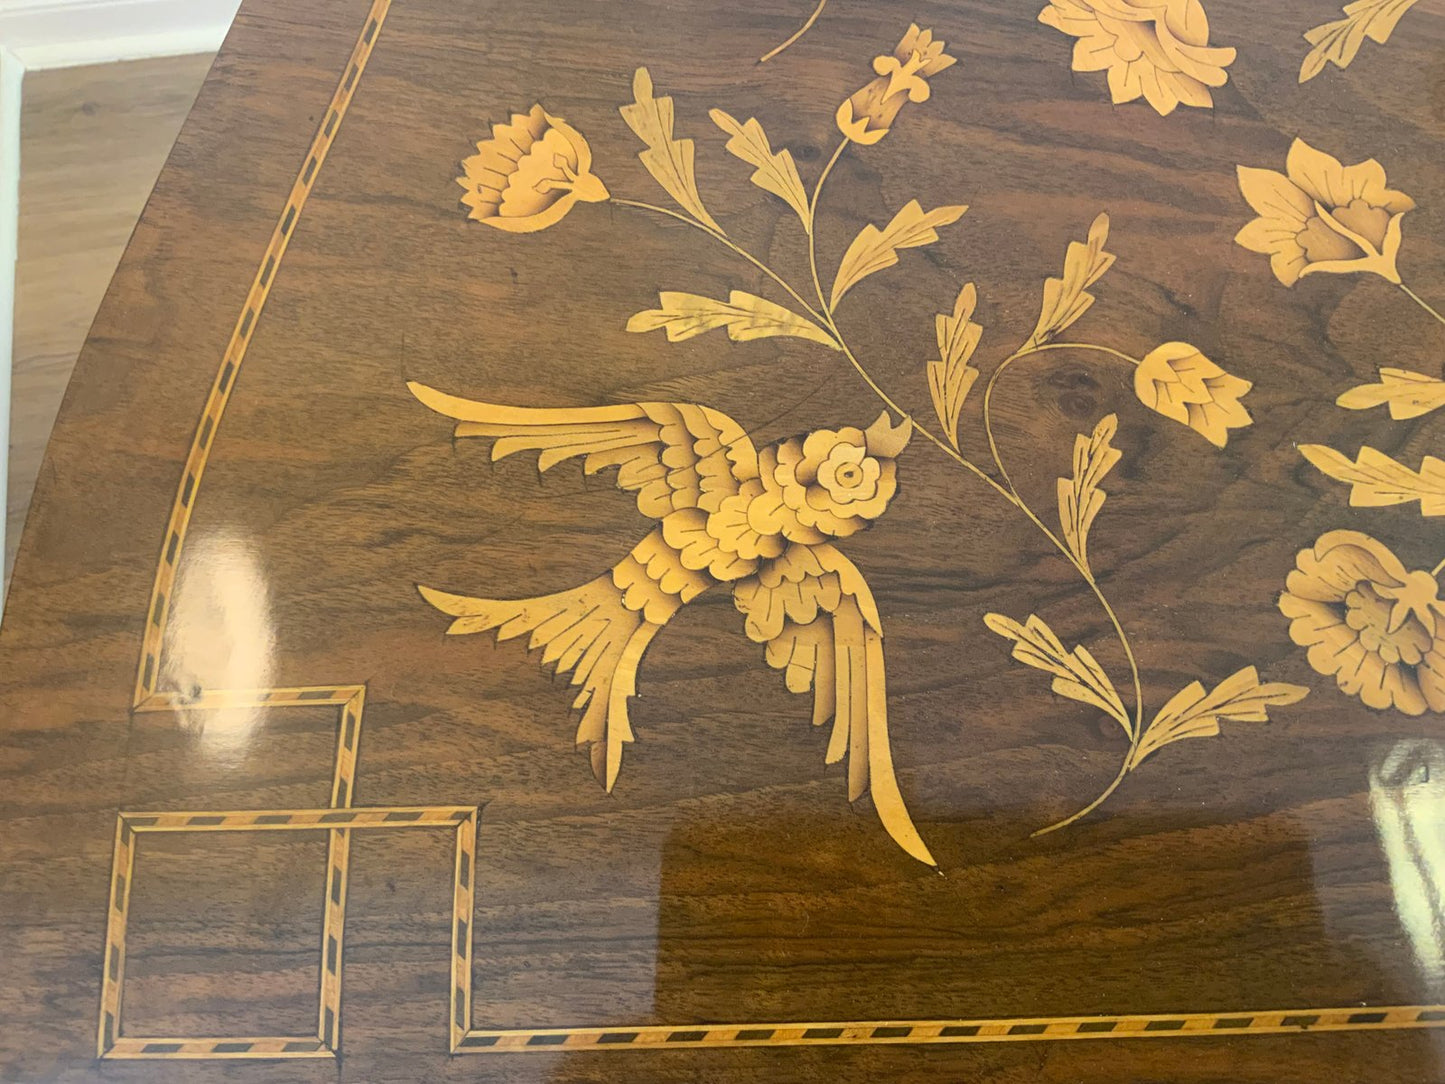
(886, 440)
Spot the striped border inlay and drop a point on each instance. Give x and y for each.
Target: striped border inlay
(297, 820)
(210, 1049)
(463, 906)
(351, 700)
(1031, 1029)
(130, 826)
(148, 673)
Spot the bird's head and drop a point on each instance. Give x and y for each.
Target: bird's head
(831, 482)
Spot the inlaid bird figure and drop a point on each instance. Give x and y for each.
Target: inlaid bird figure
(758, 520)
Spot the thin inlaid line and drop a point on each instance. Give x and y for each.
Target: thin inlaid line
(175, 1049)
(148, 671)
(894, 1032)
(297, 820)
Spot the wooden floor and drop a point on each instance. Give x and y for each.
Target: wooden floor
(93, 140)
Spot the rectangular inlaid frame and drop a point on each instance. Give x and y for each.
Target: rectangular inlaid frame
(464, 1038)
(350, 700)
(111, 1043)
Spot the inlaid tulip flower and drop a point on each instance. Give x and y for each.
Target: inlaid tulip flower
(1369, 622)
(529, 174)
(1321, 216)
(1179, 382)
(902, 77)
(1157, 50)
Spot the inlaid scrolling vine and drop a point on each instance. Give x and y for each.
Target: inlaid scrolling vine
(764, 520)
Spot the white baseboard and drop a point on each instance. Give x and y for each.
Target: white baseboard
(11, 72)
(65, 33)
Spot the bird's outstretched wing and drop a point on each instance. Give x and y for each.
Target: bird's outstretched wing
(672, 455)
(813, 610)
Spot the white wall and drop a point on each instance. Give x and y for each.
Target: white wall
(63, 33)
(11, 71)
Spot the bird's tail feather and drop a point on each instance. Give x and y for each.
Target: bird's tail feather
(586, 632)
(597, 633)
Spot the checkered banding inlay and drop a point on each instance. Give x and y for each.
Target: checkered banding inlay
(131, 826)
(294, 820)
(153, 641)
(211, 1049)
(1031, 1029)
(350, 701)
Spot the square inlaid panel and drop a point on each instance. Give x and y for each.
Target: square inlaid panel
(206, 940)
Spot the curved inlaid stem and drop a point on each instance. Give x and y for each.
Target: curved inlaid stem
(1007, 490)
(727, 242)
(813, 219)
(1095, 804)
(824, 316)
(832, 325)
(1077, 346)
(1420, 301)
(813, 18)
(1437, 569)
(1136, 731)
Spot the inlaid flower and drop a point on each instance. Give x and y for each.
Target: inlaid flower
(901, 77)
(830, 483)
(1155, 49)
(1368, 622)
(1320, 215)
(530, 173)
(849, 474)
(1179, 382)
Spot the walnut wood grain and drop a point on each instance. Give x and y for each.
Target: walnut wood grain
(724, 880)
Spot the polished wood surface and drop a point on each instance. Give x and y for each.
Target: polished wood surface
(239, 750)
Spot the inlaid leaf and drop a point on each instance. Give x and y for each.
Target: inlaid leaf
(874, 249)
(1337, 42)
(776, 172)
(1407, 394)
(1080, 497)
(1376, 480)
(745, 316)
(1192, 713)
(951, 376)
(1066, 299)
(669, 160)
(1076, 674)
